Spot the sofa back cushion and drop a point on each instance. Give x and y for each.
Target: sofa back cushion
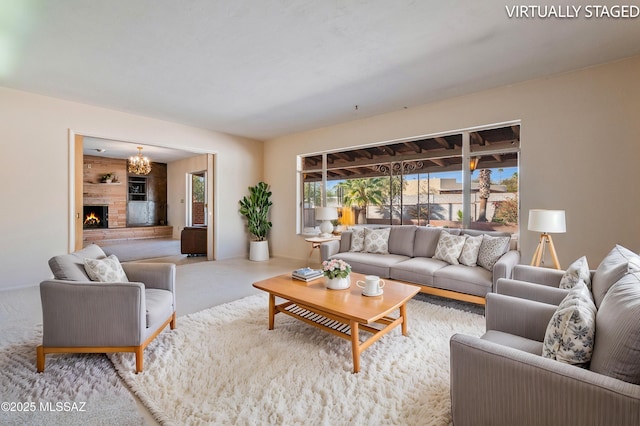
(401, 239)
(70, 267)
(616, 351)
(426, 240)
(614, 266)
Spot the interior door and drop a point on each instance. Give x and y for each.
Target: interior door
(77, 211)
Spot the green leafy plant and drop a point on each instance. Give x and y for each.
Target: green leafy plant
(255, 208)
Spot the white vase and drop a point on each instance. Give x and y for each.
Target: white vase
(338, 283)
(259, 251)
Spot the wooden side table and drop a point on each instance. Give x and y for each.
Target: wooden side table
(316, 241)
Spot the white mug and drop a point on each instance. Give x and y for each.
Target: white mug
(372, 284)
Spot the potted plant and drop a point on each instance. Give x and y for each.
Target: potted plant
(108, 178)
(255, 207)
(337, 274)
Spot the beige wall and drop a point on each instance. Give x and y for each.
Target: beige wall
(580, 146)
(177, 172)
(34, 175)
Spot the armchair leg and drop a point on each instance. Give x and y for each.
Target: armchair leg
(172, 324)
(40, 358)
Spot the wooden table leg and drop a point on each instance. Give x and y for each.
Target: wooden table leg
(403, 315)
(355, 346)
(272, 310)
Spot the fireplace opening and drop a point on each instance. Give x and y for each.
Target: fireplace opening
(96, 217)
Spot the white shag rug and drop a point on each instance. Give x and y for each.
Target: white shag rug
(74, 389)
(222, 366)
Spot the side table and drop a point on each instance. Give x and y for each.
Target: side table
(316, 241)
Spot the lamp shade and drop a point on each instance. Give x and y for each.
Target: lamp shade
(547, 221)
(326, 213)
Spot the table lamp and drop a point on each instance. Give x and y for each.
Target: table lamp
(326, 215)
(546, 222)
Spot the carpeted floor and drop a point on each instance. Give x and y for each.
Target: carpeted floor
(222, 366)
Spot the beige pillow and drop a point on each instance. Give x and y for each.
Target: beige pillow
(357, 239)
(449, 247)
(376, 240)
(106, 270)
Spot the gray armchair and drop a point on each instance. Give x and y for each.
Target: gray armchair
(84, 316)
(503, 379)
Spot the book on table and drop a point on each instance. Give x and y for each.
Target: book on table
(306, 274)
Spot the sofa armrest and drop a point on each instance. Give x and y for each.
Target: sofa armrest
(531, 291)
(522, 317)
(328, 249)
(497, 385)
(76, 313)
(538, 275)
(154, 275)
(503, 268)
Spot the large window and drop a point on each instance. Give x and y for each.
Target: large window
(464, 179)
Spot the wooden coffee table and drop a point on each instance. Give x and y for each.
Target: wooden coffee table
(341, 312)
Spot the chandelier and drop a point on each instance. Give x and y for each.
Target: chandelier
(138, 164)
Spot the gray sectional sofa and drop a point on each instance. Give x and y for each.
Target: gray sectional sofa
(410, 258)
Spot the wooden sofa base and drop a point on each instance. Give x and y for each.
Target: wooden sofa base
(463, 297)
(41, 350)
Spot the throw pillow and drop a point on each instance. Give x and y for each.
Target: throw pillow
(357, 239)
(470, 250)
(570, 334)
(376, 240)
(491, 249)
(617, 349)
(106, 270)
(576, 272)
(614, 266)
(449, 247)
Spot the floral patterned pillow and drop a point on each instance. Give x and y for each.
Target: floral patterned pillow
(576, 272)
(571, 332)
(106, 270)
(376, 240)
(357, 239)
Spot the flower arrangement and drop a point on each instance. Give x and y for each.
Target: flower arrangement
(336, 268)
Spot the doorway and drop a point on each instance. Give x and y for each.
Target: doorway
(197, 206)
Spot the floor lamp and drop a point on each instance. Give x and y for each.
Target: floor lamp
(546, 222)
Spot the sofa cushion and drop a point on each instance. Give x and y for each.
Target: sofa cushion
(491, 249)
(106, 270)
(370, 263)
(419, 270)
(449, 247)
(617, 347)
(570, 334)
(376, 240)
(576, 272)
(159, 305)
(357, 239)
(470, 250)
(614, 266)
(70, 267)
(401, 240)
(464, 279)
(426, 240)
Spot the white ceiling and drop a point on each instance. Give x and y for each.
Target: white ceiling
(264, 68)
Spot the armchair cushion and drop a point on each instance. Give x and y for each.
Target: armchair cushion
(570, 334)
(106, 270)
(614, 266)
(159, 305)
(578, 270)
(617, 349)
(70, 267)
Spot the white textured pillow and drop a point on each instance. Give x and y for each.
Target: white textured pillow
(576, 272)
(376, 240)
(470, 250)
(491, 249)
(106, 270)
(357, 239)
(449, 247)
(571, 332)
